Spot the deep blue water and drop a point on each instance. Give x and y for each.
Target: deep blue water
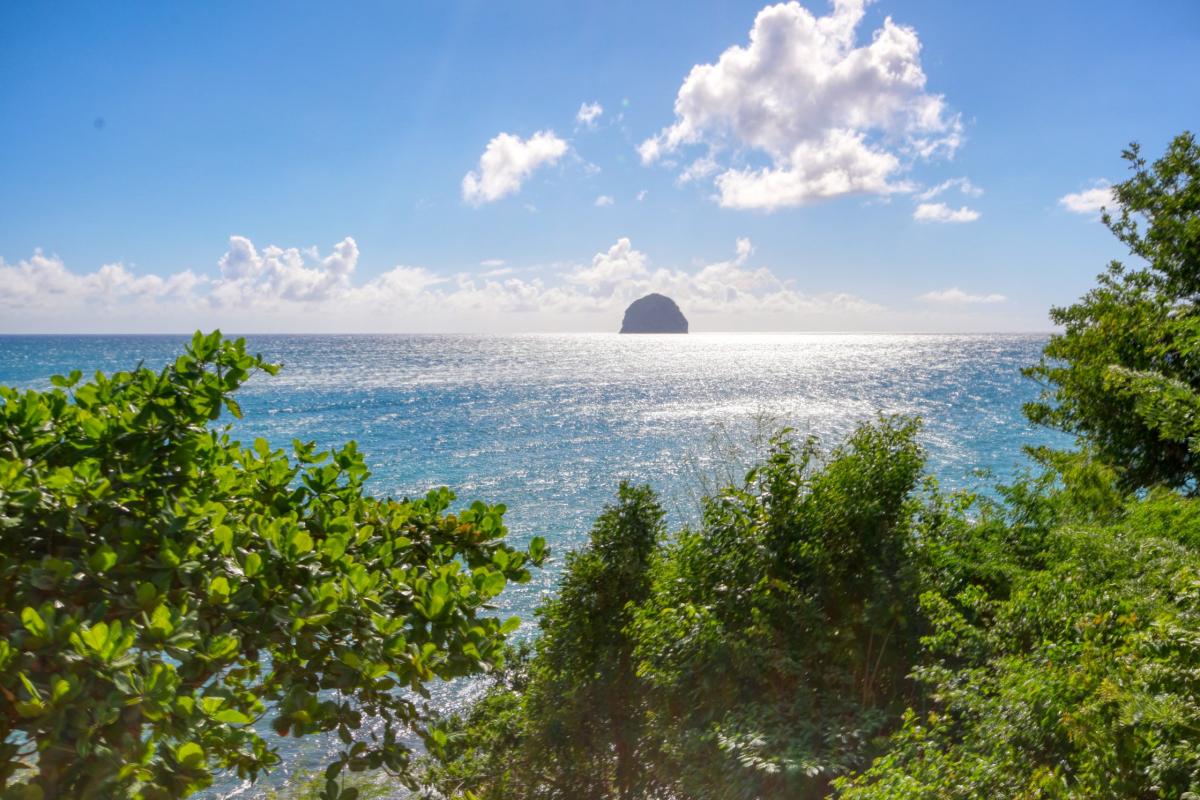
(549, 424)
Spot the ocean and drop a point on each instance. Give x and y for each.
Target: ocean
(549, 424)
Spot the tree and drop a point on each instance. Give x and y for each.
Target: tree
(1062, 659)
(162, 588)
(778, 635)
(585, 698)
(1124, 375)
(565, 720)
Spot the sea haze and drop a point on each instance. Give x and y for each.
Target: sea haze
(549, 424)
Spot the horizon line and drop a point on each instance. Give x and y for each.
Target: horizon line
(865, 332)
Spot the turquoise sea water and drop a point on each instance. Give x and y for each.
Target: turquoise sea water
(548, 424)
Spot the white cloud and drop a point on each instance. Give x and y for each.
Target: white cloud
(506, 162)
(604, 200)
(745, 249)
(44, 282)
(957, 296)
(699, 169)
(650, 150)
(260, 289)
(1089, 201)
(726, 290)
(248, 277)
(642, 195)
(964, 185)
(588, 113)
(831, 117)
(610, 270)
(492, 262)
(940, 212)
(840, 164)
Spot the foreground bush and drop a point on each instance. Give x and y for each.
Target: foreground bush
(834, 628)
(780, 632)
(759, 655)
(1069, 670)
(565, 719)
(162, 588)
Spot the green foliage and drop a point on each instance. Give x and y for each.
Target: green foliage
(1124, 375)
(757, 656)
(567, 720)
(831, 628)
(778, 636)
(368, 785)
(1073, 676)
(1063, 652)
(162, 587)
(584, 692)
(486, 754)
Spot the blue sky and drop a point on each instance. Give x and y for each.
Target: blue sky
(299, 167)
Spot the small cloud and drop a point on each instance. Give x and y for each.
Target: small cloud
(492, 262)
(698, 169)
(588, 114)
(506, 162)
(642, 195)
(940, 212)
(957, 296)
(496, 273)
(1089, 201)
(964, 185)
(604, 200)
(745, 248)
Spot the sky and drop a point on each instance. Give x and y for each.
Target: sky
(898, 165)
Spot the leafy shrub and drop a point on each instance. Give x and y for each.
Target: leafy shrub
(1076, 677)
(779, 634)
(1124, 374)
(566, 718)
(757, 656)
(163, 587)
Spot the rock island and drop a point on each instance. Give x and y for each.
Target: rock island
(654, 313)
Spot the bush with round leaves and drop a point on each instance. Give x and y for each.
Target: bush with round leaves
(164, 588)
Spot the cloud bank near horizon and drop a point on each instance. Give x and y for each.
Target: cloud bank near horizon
(278, 289)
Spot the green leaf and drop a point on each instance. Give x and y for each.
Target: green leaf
(218, 590)
(494, 583)
(301, 543)
(95, 637)
(34, 623)
(103, 559)
(190, 755)
(147, 593)
(537, 549)
(223, 536)
(233, 717)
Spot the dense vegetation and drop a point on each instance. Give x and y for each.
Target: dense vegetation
(834, 624)
(1124, 374)
(163, 587)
